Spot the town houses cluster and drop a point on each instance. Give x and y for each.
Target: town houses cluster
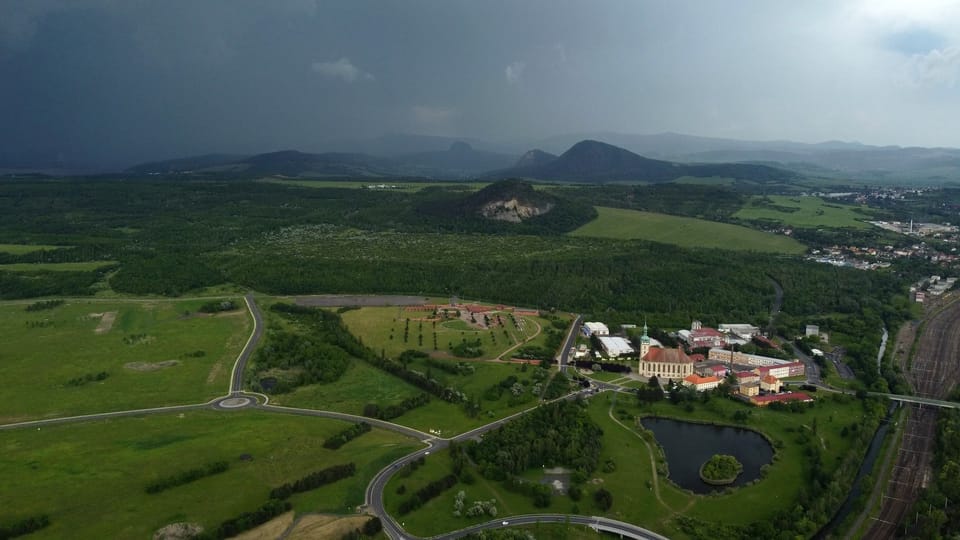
(753, 377)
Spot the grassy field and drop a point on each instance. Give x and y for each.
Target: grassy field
(382, 329)
(363, 384)
(20, 249)
(804, 212)
(407, 187)
(89, 478)
(632, 481)
(683, 231)
(56, 267)
(42, 351)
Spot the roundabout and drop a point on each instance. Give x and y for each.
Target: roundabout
(235, 402)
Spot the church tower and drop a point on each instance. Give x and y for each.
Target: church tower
(644, 341)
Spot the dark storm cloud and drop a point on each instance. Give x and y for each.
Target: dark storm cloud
(110, 82)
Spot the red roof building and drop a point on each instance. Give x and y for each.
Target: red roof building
(707, 337)
(763, 401)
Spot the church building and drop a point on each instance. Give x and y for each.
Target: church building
(662, 363)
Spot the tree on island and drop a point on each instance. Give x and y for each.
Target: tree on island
(720, 470)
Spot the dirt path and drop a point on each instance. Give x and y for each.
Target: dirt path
(527, 340)
(653, 459)
(106, 322)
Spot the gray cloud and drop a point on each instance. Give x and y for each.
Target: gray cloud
(109, 82)
(514, 71)
(342, 69)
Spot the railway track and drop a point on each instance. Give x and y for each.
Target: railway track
(933, 373)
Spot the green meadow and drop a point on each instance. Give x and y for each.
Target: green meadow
(804, 212)
(686, 232)
(86, 266)
(363, 384)
(153, 354)
(20, 249)
(89, 478)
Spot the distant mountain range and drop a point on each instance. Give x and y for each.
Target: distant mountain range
(595, 157)
(586, 161)
(594, 161)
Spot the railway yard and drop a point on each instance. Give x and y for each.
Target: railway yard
(932, 373)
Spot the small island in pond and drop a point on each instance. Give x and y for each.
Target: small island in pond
(720, 470)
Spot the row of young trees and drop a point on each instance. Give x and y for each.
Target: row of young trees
(394, 410)
(347, 435)
(314, 480)
(426, 493)
(187, 477)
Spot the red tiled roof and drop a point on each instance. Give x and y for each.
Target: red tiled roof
(706, 332)
(697, 357)
(746, 374)
(696, 379)
(673, 356)
(770, 379)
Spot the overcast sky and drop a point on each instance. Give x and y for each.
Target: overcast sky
(118, 81)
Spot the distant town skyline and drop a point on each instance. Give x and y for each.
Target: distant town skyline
(110, 82)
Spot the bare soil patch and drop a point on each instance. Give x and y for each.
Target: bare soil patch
(150, 366)
(214, 371)
(106, 321)
(317, 527)
(178, 531)
(270, 530)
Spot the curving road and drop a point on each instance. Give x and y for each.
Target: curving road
(237, 399)
(236, 376)
(627, 530)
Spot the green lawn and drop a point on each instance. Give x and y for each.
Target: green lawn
(20, 249)
(56, 267)
(382, 329)
(683, 231)
(632, 481)
(89, 478)
(41, 351)
(804, 212)
(363, 384)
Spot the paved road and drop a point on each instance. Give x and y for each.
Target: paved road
(106, 415)
(374, 493)
(383, 424)
(569, 342)
(625, 530)
(236, 376)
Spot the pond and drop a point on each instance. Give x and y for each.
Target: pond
(687, 446)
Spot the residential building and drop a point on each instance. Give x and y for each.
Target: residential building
(701, 384)
(769, 383)
(736, 357)
(707, 337)
(763, 401)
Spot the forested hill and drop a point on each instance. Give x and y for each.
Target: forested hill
(594, 161)
(516, 204)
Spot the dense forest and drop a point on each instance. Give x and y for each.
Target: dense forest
(173, 236)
